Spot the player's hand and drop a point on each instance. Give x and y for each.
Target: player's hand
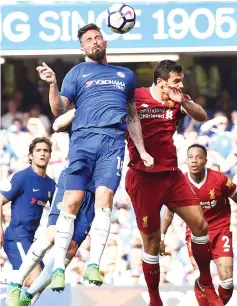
(46, 73)
(174, 93)
(1, 236)
(147, 159)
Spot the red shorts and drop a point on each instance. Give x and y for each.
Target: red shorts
(148, 192)
(220, 243)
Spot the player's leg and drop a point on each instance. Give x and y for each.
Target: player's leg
(146, 194)
(184, 203)
(221, 244)
(81, 163)
(82, 227)
(16, 252)
(107, 176)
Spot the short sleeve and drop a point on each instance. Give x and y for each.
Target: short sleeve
(69, 85)
(11, 190)
(131, 89)
(228, 187)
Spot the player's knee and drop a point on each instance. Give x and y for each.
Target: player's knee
(199, 228)
(72, 201)
(151, 243)
(104, 197)
(227, 283)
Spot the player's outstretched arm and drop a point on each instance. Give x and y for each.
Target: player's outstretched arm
(63, 121)
(57, 102)
(3, 201)
(165, 224)
(135, 132)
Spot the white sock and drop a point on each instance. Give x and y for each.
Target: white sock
(64, 233)
(35, 298)
(99, 234)
(32, 259)
(44, 279)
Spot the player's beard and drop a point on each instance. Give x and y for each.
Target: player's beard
(97, 55)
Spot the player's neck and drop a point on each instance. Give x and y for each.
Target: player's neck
(156, 93)
(39, 170)
(102, 61)
(198, 177)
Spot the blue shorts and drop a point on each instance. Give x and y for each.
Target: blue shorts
(95, 157)
(84, 217)
(17, 250)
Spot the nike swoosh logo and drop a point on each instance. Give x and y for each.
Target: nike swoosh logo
(85, 75)
(34, 190)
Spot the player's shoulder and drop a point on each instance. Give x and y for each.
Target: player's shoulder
(22, 173)
(215, 175)
(124, 72)
(142, 92)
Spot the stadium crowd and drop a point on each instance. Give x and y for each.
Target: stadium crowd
(122, 261)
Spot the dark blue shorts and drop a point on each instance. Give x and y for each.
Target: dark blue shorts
(95, 157)
(16, 251)
(84, 217)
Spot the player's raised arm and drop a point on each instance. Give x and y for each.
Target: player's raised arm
(57, 102)
(63, 121)
(165, 224)
(135, 132)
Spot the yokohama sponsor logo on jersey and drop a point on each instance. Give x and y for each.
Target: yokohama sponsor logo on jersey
(115, 83)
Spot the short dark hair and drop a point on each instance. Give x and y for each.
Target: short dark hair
(164, 68)
(196, 145)
(87, 27)
(39, 140)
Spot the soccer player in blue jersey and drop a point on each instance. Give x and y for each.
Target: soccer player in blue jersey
(29, 190)
(103, 97)
(44, 243)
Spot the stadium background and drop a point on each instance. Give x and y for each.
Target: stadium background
(202, 36)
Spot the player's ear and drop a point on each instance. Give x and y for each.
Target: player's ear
(106, 44)
(83, 51)
(160, 83)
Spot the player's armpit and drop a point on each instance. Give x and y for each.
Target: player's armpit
(132, 113)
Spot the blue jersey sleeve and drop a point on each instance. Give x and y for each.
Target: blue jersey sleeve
(14, 188)
(131, 89)
(69, 85)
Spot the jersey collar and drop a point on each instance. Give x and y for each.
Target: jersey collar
(198, 185)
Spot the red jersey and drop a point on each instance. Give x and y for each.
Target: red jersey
(214, 192)
(159, 122)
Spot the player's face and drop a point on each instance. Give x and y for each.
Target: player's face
(196, 160)
(175, 80)
(41, 155)
(93, 45)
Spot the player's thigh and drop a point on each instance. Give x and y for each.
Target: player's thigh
(84, 218)
(222, 253)
(16, 251)
(184, 202)
(82, 158)
(109, 164)
(146, 193)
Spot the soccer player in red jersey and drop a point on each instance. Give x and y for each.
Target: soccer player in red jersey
(213, 190)
(160, 108)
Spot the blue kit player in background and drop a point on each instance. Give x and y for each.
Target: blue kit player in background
(104, 100)
(46, 240)
(29, 191)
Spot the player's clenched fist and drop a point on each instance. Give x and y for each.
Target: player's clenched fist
(46, 73)
(147, 159)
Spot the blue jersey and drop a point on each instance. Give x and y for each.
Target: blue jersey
(100, 94)
(29, 193)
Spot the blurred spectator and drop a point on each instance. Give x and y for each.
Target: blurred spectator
(12, 113)
(225, 104)
(35, 112)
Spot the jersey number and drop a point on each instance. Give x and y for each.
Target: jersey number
(119, 166)
(226, 245)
